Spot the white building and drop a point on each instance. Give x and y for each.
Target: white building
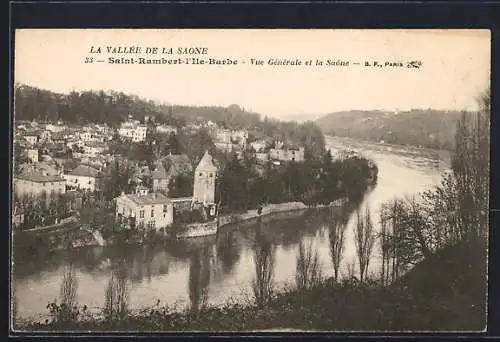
(223, 136)
(166, 129)
(84, 136)
(133, 131)
(32, 154)
(84, 177)
(32, 139)
(287, 154)
(36, 184)
(153, 210)
(258, 145)
(94, 148)
(204, 180)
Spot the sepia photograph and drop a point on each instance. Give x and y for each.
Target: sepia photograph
(250, 180)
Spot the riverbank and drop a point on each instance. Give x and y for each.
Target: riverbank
(268, 212)
(420, 301)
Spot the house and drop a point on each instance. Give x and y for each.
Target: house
(17, 216)
(166, 129)
(32, 138)
(32, 154)
(42, 168)
(259, 145)
(37, 184)
(160, 178)
(133, 131)
(224, 147)
(84, 136)
(223, 136)
(84, 177)
(94, 148)
(204, 181)
(152, 210)
(287, 154)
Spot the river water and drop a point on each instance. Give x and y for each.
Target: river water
(223, 268)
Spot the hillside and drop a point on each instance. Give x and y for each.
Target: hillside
(112, 107)
(426, 128)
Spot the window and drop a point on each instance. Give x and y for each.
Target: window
(152, 213)
(141, 214)
(201, 174)
(211, 175)
(130, 212)
(165, 208)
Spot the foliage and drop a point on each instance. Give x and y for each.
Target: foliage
(181, 185)
(417, 127)
(244, 184)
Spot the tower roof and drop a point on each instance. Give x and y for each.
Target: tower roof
(206, 163)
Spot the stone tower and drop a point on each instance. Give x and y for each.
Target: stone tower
(204, 180)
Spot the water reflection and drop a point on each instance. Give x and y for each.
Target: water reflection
(199, 278)
(228, 251)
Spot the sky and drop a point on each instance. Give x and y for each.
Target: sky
(455, 68)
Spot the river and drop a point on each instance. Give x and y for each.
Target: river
(224, 267)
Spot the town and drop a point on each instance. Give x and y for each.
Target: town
(134, 171)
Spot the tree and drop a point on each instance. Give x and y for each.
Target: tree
(364, 240)
(336, 238)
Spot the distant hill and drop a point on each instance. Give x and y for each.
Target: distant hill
(112, 107)
(418, 127)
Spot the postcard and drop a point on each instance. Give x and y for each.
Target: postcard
(244, 180)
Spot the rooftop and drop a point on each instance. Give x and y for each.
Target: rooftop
(39, 178)
(148, 199)
(85, 171)
(206, 162)
(159, 172)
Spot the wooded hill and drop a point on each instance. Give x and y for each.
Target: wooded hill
(114, 107)
(427, 128)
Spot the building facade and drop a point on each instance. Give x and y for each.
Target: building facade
(133, 131)
(84, 177)
(151, 210)
(204, 181)
(36, 184)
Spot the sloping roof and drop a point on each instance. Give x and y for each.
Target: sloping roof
(177, 164)
(96, 144)
(38, 177)
(148, 199)
(85, 171)
(206, 162)
(159, 172)
(41, 168)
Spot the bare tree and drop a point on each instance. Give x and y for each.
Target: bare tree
(116, 296)
(263, 283)
(308, 270)
(336, 237)
(364, 239)
(68, 293)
